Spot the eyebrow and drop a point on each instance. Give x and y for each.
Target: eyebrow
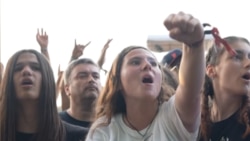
(241, 52)
(138, 58)
(31, 63)
(87, 72)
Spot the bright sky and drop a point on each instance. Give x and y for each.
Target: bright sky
(128, 22)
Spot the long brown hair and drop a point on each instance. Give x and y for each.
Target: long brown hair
(50, 127)
(111, 100)
(1, 71)
(171, 77)
(213, 58)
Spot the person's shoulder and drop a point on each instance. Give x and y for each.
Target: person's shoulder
(104, 128)
(75, 133)
(74, 128)
(62, 113)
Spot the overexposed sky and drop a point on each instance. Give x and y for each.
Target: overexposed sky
(128, 22)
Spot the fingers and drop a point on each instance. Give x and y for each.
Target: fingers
(175, 32)
(109, 40)
(81, 47)
(168, 22)
(87, 44)
(185, 22)
(107, 43)
(184, 28)
(42, 34)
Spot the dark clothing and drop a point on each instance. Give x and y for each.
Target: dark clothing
(24, 136)
(73, 133)
(69, 119)
(228, 130)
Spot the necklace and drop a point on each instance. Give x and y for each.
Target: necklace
(142, 135)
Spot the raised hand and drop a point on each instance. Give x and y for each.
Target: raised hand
(184, 28)
(59, 72)
(106, 46)
(59, 81)
(42, 39)
(187, 29)
(101, 60)
(78, 50)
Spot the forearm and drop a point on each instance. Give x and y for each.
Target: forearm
(192, 70)
(72, 59)
(188, 94)
(102, 59)
(45, 52)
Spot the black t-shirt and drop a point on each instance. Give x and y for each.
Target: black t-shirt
(69, 119)
(73, 133)
(24, 136)
(228, 130)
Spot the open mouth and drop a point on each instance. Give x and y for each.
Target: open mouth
(147, 79)
(246, 76)
(27, 82)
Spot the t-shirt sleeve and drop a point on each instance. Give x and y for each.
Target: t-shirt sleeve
(172, 121)
(98, 133)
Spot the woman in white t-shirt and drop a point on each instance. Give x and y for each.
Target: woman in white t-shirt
(135, 103)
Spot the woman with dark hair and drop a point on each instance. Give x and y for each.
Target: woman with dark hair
(1, 71)
(226, 102)
(136, 104)
(28, 102)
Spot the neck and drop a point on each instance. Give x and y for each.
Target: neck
(83, 111)
(224, 105)
(140, 114)
(27, 114)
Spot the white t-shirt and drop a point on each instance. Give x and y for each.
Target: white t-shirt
(167, 126)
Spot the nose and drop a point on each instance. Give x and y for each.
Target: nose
(91, 79)
(146, 65)
(247, 63)
(26, 70)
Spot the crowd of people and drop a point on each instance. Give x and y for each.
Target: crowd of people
(187, 96)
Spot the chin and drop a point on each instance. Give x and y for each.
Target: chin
(91, 96)
(28, 98)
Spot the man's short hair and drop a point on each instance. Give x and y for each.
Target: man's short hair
(75, 63)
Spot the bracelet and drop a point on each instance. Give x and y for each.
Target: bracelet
(196, 44)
